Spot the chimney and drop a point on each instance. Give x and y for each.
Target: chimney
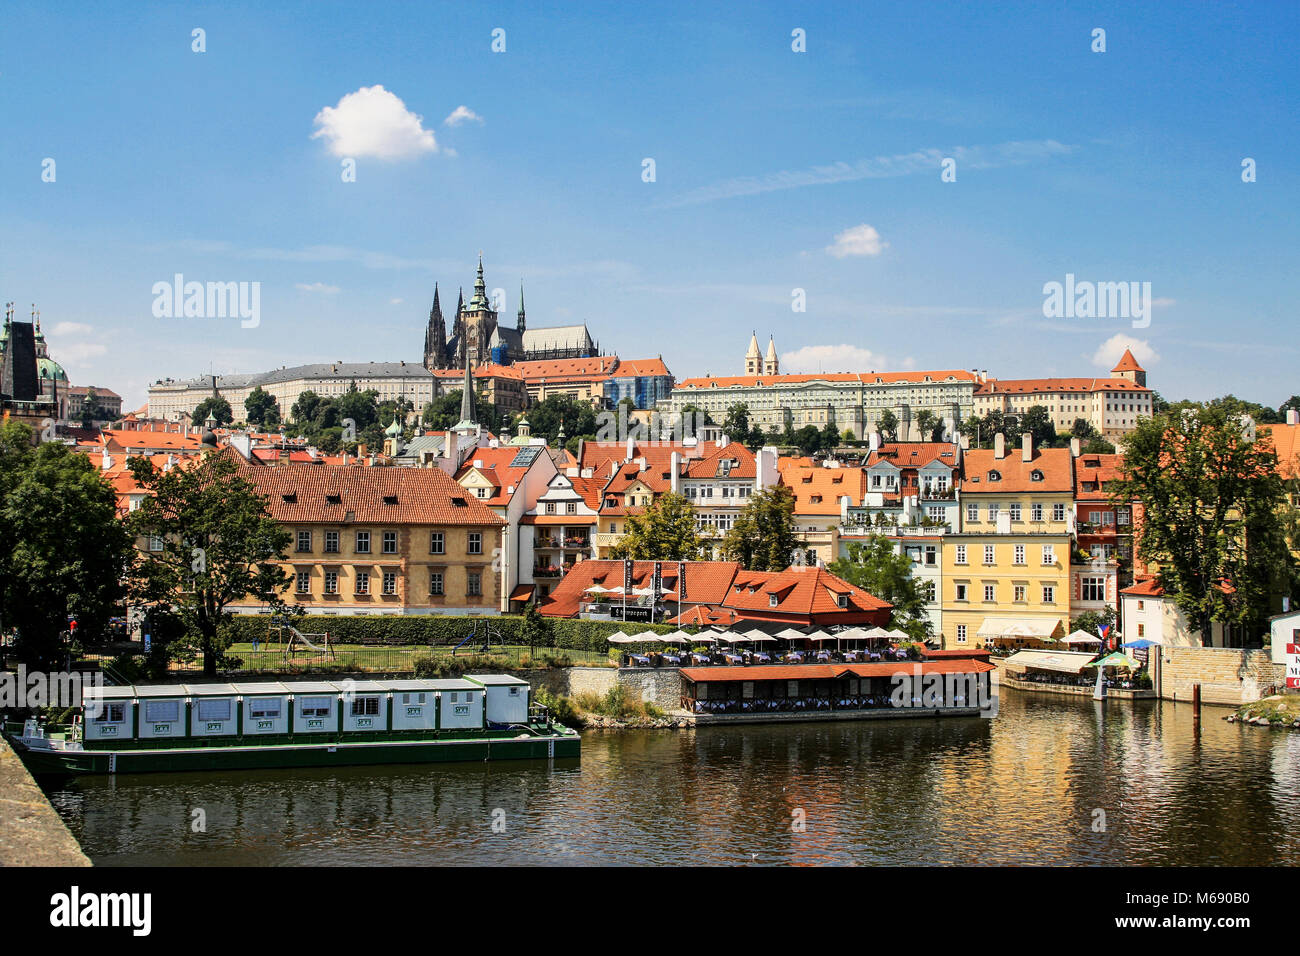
(873, 441)
(999, 446)
(675, 472)
(642, 464)
(1293, 416)
(1076, 449)
(1027, 446)
(450, 449)
(586, 473)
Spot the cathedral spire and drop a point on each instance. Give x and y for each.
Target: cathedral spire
(435, 335)
(520, 323)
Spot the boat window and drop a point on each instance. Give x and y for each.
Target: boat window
(268, 708)
(111, 713)
(161, 711)
(365, 706)
(315, 706)
(214, 709)
(514, 691)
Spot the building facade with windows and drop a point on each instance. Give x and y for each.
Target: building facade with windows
(381, 540)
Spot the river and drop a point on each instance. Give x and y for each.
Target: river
(1048, 781)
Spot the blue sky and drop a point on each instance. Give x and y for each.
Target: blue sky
(1115, 166)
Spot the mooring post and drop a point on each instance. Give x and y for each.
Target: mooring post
(1196, 701)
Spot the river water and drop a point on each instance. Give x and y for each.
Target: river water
(1048, 781)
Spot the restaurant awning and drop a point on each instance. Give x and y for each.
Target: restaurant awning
(522, 592)
(1065, 662)
(1040, 628)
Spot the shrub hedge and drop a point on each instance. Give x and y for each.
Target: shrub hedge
(566, 634)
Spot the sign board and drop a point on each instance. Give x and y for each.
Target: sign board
(630, 613)
(681, 581)
(1293, 665)
(627, 577)
(658, 579)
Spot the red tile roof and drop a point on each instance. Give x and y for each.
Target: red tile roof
(423, 496)
(706, 582)
(642, 367)
(496, 469)
(808, 593)
(1055, 465)
(817, 491)
(1148, 588)
(862, 378)
(913, 454)
(1023, 386)
(598, 368)
(1127, 363)
(1099, 471)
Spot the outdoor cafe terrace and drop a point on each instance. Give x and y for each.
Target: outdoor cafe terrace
(756, 647)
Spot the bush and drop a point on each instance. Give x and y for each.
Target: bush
(566, 634)
(561, 708)
(442, 665)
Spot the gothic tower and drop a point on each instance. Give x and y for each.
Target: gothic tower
(753, 357)
(435, 336)
(479, 321)
(770, 365)
(520, 323)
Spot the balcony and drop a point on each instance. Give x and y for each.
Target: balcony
(548, 571)
(938, 494)
(545, 544)
(608, 539)
(582, 542)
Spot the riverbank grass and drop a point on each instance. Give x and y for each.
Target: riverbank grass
(1279, 710)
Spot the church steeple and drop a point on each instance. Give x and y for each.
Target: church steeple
(519, 325)
(479, 301)
(753, 357)
(435, 336)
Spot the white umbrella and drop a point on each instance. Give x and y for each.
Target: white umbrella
(618, 637)
(650, 636)
(703, 638)
(1082, 637)
(898, 635)
(820, 636)
(876, 634)
(597, 589)
(760, 638)
(734, 638)
(676, 637)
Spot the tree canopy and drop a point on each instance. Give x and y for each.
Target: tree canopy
(763, 536)
(216, 407)
(665, 531)
(883, 573)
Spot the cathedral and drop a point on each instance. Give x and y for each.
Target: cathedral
(476, 335)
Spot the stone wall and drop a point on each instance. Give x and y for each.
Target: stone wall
(31, 832)
(661, 686)
(1227, 675)
(568, 681)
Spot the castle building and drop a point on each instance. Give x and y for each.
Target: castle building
(476, 329)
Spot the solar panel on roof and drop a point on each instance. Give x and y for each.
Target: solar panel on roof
(526, 456)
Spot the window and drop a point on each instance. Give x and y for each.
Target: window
(331, 582)
(437, 543)
(1049, 594)
(363, 542)
(161, 711)
(961, 592)
(304, 542)
(265, 709)
(972, 512)
(365, 706)
(475, 545)
(550, 507)
(771, 600)
(316, 706)
(1018, 593)
(1094, 589)
(474, 583)
(995, 476)
(1036, 512)
(1142, 605)
(571, 508)
(435, 582)
(990, 592)
(1020, 554)
(988, 554)
(155, 543)
(1014, 511)
(961, 633)
(931, 555)
(363, 582)
(1142, 630)
(1049, 554)
(1058, 512)
(483, 492)
(304, 582)
(331, 542)
(390, 542)
(993, 511)
(215, 709)
(390, 582)
(110, 713)
(961, 554)
(928, 592)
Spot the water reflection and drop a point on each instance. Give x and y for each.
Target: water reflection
(1022, 788)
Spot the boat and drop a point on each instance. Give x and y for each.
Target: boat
(272, 724)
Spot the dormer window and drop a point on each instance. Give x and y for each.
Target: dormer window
(843, 600)
(771, 600)
(334, 499)
(290, 499)
(390, 499)
(995, 475)
(1035, 475)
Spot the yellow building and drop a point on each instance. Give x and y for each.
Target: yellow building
(383, 540)
(1006, 574)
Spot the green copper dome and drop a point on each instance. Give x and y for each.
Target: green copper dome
(393, 430)
(48, 368)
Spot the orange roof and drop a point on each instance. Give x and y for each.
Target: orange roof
(817, 491)
(804, 592)
(745, 466)
(1286, 443)
(1098, 471)
(486, 370)
(913, 454)
(334, 494)
(860, 378)
(644, 367)
(496, 469)
(1023, 386)
(706, 582)
(1054, 464)
(1147, 588)
(1127, 363)
(597, 368)
(149, 438)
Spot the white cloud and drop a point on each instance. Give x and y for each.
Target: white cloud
(76, 353)
(396, 301)
(861, 240)
(71, 328)
(317, 287)
(462, 114)
(373, 122)
(832, 358)
(1109, 354)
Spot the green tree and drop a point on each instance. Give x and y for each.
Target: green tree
(361, 407)
(444, 411)
(90, 410)
(887, 424)
(216, 407)
(304, 410)
(1210, 502)
(577, 417)
(928, 423)
(883, 573)
(736, 423)
(218, 545)
(1290, 403)
(259, 405)
(830, 437)
(537, 630)
(808, 439)
(63, 550)
(1093, 621)
(665, 531)
(1037, 420)
(762, 538)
